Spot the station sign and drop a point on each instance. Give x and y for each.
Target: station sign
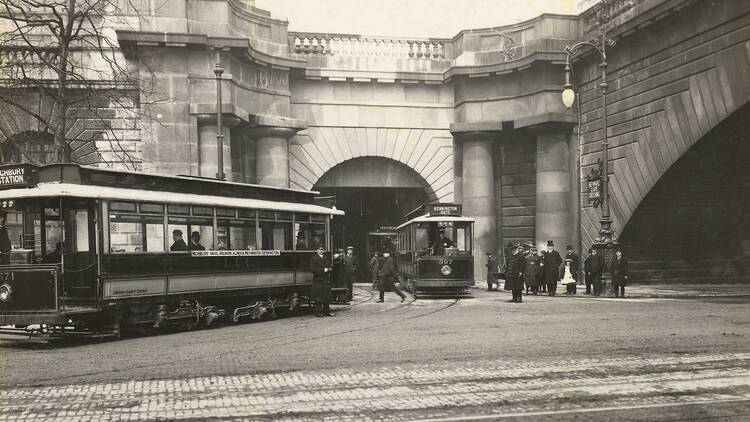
(452, 210)
(18, 175)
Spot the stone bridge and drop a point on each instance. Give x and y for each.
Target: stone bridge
(476, 119)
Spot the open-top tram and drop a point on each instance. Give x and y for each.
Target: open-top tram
(435, 250)
(100, 249)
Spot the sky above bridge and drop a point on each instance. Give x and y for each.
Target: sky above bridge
(411, 18)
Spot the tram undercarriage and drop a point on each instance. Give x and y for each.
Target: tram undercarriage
(152, 317)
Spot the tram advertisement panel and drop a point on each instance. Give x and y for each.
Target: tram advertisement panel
(28, 289)
(240, 252)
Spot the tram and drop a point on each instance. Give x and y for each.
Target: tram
(103, 250)
(435, 250)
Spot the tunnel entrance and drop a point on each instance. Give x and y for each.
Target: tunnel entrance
(694, 224)
(374, 192)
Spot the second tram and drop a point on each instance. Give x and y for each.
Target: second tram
(435, 250)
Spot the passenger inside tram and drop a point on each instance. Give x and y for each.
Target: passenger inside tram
(178, 243)
(195, 242)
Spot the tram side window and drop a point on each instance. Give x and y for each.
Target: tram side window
(276, 235)
(421, 238)
(463, 238)
(78, 230)
(178, 229)
(125, 234)
(308, 236)
(236, 234)
(135, 233)
(53, 232)
(14, 225)
(201, 235)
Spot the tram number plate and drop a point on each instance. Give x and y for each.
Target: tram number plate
(446, 261)
(7, 276)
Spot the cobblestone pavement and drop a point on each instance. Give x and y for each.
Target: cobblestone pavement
(550, 358)
(436, 391)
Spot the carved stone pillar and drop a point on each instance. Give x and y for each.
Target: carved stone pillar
(271, 136)
(207, 148)
(479, 194)
(554, 217)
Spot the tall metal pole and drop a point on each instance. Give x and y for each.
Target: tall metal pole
(605, 231)
(218, 71)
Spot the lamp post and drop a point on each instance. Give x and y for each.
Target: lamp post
(218, 71)
(606, 241)
(568, 97)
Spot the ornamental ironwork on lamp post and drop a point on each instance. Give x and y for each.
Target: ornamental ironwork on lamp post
(218, 71)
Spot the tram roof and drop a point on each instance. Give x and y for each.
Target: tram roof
(427, 218)
(72, 190)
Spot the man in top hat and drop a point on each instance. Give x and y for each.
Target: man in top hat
(515, 274)
(552, 263)
(321, 289)
(350, 268)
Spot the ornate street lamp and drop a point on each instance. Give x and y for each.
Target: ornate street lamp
(218, 71)
(598, 181)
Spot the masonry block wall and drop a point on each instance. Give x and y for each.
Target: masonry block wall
(669, 85)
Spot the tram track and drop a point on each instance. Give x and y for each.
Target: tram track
(265, 343)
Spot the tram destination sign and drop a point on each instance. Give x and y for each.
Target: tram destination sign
(20, 175)
(453, 210)
(238, 252)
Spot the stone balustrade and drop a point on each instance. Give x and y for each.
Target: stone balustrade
(356, 45)
(25, 56)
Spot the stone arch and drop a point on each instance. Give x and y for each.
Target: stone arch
(428, 152)
(647, 139)
(692, 225)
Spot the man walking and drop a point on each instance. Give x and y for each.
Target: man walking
(387, 282)
(594, 267)
(552, 263)
(320, 290)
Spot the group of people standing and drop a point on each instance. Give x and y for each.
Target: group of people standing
(329, 271)
(542, 273)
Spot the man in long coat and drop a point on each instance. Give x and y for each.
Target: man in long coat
(493, 270)
(594, 266)
(552, 263)
(515, 274)
(388, 280)
(619, 271)
(321, 289)
(351, 265)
